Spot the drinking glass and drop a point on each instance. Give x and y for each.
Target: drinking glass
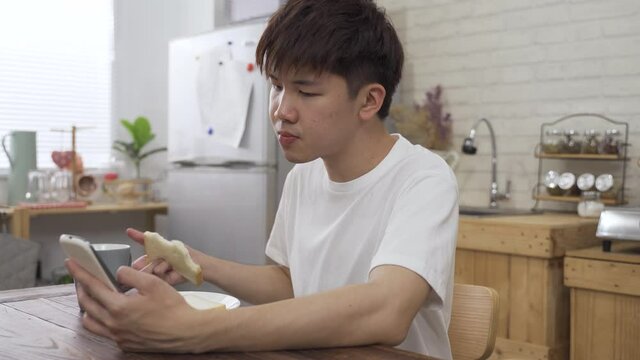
(61, 185)
(38, 189)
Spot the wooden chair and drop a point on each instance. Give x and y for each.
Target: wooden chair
(474, 321)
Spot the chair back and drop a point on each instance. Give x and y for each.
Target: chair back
(474, 321)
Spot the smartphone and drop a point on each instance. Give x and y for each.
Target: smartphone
(83, 253)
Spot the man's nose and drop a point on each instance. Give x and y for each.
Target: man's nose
(285, 110)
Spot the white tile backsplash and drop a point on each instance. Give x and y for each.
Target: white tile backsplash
(521, 63)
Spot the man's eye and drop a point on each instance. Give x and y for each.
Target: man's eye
(277, 87)
(303, 93)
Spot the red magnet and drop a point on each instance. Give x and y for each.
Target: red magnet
(249, 67)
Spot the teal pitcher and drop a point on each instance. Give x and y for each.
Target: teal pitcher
(22, 159)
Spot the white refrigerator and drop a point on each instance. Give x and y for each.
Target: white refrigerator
(224, 184)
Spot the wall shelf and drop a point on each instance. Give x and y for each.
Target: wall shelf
(581, 157)
(576, 199)
(621, 159)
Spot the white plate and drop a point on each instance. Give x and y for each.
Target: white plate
(203, 300)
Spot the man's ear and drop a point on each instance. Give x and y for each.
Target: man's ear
(371, 97)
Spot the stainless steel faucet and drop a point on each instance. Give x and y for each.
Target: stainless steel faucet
(469, 147)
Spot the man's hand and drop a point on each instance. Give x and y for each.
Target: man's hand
(161, 268)
(253, 283)
(156, 318)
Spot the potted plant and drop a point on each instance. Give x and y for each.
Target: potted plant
(138, 189)
(141, 135)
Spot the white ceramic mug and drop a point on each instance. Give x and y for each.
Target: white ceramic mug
(113, 256)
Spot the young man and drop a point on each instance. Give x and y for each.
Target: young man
(364, 238)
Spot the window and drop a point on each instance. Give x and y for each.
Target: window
(55, 72)
(242, 10)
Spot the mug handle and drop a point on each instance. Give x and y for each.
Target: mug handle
(5, 149)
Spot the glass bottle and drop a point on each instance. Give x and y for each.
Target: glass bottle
(572, 145)
(591, 142)
(553, 142)
(610, 144)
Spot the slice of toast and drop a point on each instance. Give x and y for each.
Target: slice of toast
(175, 253)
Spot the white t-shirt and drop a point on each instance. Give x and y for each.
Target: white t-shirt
(403, 212)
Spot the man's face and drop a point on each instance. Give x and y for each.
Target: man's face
(313, 115)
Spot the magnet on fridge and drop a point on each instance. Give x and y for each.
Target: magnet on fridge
(250, 67)
(210, 131)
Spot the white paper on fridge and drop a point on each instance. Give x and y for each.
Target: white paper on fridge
(224, 90)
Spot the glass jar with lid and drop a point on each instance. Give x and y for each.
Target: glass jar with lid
(567, 182)
(605, 184)
(610, 143)
(553, 142)
(586, 182)
(571, 144)
(590, 204)
(551, 183)
(591, 142)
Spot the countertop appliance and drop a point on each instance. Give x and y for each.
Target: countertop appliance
(618, 224)
(223, 187)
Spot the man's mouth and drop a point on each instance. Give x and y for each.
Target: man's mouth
(286, 138)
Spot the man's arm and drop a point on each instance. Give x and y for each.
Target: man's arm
(257, 284)
(157, 319)
(377, 312)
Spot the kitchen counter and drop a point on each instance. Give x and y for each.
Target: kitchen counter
(546, 235)
(522, 258)
(605, 301)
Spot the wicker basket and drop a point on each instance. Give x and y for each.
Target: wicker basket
(129, 191)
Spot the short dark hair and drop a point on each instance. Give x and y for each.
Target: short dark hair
(350, 38)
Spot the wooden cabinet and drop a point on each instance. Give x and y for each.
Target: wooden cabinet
(522, 258)
(605, 302)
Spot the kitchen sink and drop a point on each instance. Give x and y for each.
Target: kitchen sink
(485, 211)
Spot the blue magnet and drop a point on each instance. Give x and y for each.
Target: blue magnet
(210, 131)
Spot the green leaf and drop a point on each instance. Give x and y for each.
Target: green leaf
(122, 143)
(119, 149)
(143, 130)
(133, 131)
(151, 152)
(127, 148)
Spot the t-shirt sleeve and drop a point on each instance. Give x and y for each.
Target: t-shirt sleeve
(277, 245)
(422, 230)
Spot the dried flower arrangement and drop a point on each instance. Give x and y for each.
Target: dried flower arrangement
(426, 124)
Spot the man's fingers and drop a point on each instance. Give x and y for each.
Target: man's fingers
(162, 268)
(92, 285)
(92, 307)
(136, 235)
(140, 262)
(96, 327)
(137, 279)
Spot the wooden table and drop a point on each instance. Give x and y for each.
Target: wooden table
(605, 301)
(44, 323)
(21, 216)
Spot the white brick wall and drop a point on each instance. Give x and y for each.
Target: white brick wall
(520, 63)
